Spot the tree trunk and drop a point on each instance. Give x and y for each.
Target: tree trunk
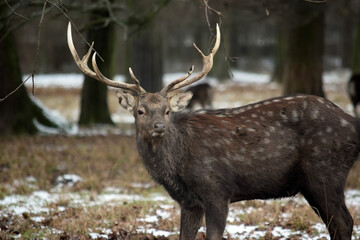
(304, 56)
(277, 75)
(18, 112)
(355, 66)
(346, 41)
(94, 106)
(144, 55)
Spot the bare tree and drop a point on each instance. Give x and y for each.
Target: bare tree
(19, 113)
(304, 50)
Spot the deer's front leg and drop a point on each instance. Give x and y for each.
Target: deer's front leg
(215, 216)
(191, 219)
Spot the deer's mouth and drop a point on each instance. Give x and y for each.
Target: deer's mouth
(158, 133)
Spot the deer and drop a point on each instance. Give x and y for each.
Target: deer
(202, 94)
(353, 89)
(207, 159)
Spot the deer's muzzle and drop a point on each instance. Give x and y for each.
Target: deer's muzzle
(159, 129)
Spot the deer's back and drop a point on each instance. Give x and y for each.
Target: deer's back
(279, 139)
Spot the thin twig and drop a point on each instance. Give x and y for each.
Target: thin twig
(316, 1)
(76, 29)
(35, 61)
(13, 10)
(2, 99)
(207, 7)
(38, 48)
(218, 13)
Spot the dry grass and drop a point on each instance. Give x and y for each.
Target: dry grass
(100, 161)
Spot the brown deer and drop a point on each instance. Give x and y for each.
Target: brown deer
(271, 149)
(353, 90)
(203, 95)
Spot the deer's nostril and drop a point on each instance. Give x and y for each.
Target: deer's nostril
(159, 125)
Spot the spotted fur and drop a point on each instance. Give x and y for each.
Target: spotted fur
(270, 149)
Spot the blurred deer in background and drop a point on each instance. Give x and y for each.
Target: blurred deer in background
(354, 92)
(203, 94)
(271, 149)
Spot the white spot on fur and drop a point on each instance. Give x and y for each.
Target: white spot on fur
(284, 117)
(206, 143)
(295, 116)
(289, 98)
(291, 147)
(251, 130)
(329, 129)
(253, 115)
(272, 129)
(228, 142)
(257, 105)
(314, 114)
(305, 104)
(267, 103)
(266, 140)
(237, 111)
(344, 123)
(207, 131)
(270, 113)
(320, 100)
(353, 129)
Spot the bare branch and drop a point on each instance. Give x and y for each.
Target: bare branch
(210, 9)
(15, 90)
(13, 10)
(316, 1)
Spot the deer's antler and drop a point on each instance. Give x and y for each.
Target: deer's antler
(96, 74)
(207, 65)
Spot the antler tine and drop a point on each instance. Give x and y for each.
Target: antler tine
(173, 83)
(207, 65)
(83, 65)
(136, 81)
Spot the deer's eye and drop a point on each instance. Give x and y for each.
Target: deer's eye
(167, 112)
(140, 112)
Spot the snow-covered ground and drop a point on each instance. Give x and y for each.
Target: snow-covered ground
(40, 203)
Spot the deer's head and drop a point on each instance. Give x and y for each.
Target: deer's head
(151, 110)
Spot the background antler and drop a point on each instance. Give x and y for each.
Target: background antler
(207, 65)
(83, 65)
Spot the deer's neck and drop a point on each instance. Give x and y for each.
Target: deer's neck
(164, 157)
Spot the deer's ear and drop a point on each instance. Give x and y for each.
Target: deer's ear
(179, 101)
(126, 100)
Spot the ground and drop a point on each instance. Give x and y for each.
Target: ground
(90, 183)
